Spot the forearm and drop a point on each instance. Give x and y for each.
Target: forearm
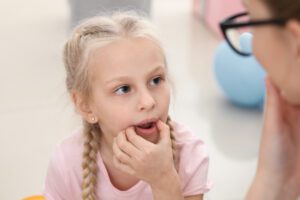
(167, 187)
(264, 188)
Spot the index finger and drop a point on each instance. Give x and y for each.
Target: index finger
(126, 146)
(164, 132)
(272, 113)
(137, 140)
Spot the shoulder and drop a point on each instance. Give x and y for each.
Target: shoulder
(64, 168)
(186, 138)
(191, 150)
(73, 141)
(69, 150)
(193, 160)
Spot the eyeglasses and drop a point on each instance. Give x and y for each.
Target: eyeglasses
(234, 26)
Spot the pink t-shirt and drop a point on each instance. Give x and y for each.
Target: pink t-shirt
(64, 177)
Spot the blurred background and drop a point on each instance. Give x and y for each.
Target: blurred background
(36, 112)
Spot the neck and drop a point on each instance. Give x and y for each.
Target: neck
(106, 148)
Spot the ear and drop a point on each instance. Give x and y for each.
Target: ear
(83, 108)
(293, 27)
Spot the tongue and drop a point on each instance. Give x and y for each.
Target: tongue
(146, 126)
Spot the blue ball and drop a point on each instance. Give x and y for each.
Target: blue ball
(241, 78)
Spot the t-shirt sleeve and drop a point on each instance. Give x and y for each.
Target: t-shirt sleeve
(55, 184)
(193, 169)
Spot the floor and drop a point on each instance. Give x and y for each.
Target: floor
(35, 111)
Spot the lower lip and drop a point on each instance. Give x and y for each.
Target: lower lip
(144, 131)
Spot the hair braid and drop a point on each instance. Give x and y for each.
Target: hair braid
(173, 141)
(89, 162)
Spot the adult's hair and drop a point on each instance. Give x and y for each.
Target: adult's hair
(284, 8)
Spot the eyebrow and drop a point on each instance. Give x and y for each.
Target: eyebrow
(126, 78)
(156, 69)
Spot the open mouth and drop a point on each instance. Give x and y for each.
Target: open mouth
(146, 128)
(147, 125)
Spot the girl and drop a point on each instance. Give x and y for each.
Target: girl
(128, 147)
(276, 44)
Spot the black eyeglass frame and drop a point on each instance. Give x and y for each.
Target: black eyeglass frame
(230, 24)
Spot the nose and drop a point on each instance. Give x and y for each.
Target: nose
(146, 101)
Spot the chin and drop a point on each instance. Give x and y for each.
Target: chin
(294, 101)
(292, 98)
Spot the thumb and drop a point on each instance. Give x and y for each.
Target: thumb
(164, 131)
(273, 110)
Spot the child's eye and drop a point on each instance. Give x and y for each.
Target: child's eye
(122, 90)
(155, 81)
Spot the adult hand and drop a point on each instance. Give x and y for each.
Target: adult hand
(279, 158)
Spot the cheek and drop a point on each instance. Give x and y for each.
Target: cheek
(115, 122)
(291, 85)
(113, 115)
(259, 49)
(163, 98)
(271, 55)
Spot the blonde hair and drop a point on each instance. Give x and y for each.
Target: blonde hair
(99, 30)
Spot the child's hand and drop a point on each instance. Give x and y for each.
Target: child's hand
(141, 158)
(279, 159)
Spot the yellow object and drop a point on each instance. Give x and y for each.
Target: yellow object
(35, 198)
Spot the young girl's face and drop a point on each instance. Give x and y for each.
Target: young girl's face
(276, 48)
(129, 87)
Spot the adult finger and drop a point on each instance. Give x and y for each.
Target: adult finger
(273, 112)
